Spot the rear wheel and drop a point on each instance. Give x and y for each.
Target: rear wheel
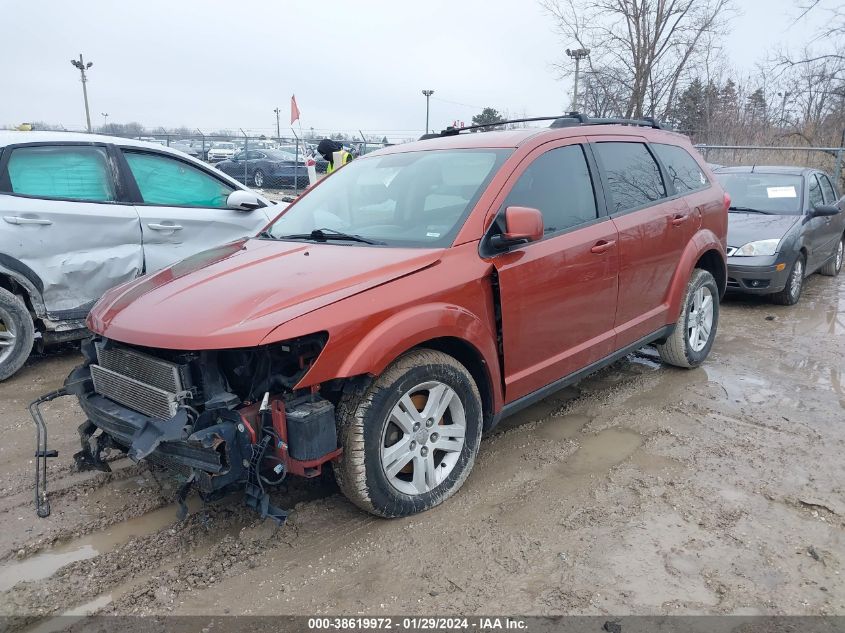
(834, 264)
(692, 338)
(16, 333)
(794, 285)
(411, 439)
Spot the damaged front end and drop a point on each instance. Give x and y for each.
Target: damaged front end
(225, 419)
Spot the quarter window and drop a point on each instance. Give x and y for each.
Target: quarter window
(827, 189)
(633, 176)
(66, 172)
(683, 170)
(558, 184)
(816, 198)
(169, 182)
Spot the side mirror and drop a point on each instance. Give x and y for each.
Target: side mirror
(241, 200)
(824, 210)
(522, 224)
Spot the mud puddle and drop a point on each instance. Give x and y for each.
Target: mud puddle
(602, 451)
(45, 563)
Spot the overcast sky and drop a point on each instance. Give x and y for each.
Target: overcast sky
(352, 65)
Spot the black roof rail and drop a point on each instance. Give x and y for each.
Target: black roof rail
(562, 120)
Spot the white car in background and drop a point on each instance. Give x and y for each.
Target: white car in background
(81, 213)
(221, 150)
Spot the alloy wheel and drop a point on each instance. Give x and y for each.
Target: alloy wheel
(8, 335)
(258, 178)
(423, 438)
(839, 251)
(796, 279)
(700, 318)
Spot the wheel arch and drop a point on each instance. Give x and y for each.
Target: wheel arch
(712, 262)
(23, 286)
(704, 247)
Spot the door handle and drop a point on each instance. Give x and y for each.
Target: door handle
(602, 246)
(16, 219)
(165, 227)
(679, 219)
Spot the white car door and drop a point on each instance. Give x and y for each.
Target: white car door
(183, 209)
(60, 218)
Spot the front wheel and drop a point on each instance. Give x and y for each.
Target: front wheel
(16, 333)
(411, 439)
(692, 338)
(791, 293)
(258, 178)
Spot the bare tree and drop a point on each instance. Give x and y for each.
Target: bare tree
(649, 44)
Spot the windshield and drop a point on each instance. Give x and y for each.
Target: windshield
(223, 146)
(417, 199)
(770, 193)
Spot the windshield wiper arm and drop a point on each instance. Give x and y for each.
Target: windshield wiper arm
(266, 234)
(749, 210)
(324, 235)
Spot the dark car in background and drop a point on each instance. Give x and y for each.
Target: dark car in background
(266, 168)
(785, 223)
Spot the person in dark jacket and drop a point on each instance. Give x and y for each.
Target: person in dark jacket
(327, 148)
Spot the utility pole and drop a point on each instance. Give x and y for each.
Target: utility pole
(278, 129)
(105, 118)
(427, 94)
(577, 54)
(82, 66)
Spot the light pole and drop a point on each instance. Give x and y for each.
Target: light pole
(785, 95)
(105, 118)
(278, 128)
(82, 66)
(577, 54)
(427, 94)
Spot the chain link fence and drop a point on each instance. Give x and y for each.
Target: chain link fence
(829, 159)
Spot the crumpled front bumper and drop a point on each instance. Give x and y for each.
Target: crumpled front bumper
(215, 454)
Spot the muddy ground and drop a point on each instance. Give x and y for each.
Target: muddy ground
(643, 490)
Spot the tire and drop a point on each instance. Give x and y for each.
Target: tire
(834, 264)
(693, 336)
(791, 293)
(16, 334)
(258, 178)
(435, 461)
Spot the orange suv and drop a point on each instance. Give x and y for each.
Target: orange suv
(404, 305)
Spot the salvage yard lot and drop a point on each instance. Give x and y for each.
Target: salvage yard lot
(644, 489)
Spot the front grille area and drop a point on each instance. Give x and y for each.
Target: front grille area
(134, 394)
(145, 368)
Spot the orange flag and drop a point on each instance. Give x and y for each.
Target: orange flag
(294, 110)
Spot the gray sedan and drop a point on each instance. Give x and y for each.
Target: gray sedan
(785, 223)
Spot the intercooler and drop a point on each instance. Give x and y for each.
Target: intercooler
(142, 382)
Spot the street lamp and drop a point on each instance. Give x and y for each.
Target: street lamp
(82, 66)
(577, 54)
(427, 94)
(105, 118)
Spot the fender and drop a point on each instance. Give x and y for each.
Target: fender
(27, 279)
(400, 332)
(703, 241)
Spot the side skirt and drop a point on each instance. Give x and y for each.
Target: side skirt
(527, 400)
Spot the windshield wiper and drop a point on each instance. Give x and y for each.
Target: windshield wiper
(749, 210)
(266, 234)
(324, 235)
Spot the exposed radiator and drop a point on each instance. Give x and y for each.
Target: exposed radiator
(134, 394)
(145, 368)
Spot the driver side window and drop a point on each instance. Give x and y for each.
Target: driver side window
(558, 183)
(171, 182)
(816, 198)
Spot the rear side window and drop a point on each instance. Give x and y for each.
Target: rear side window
(827, 189)
(816, 197)
(684, 172)
(558, 184)
(170, 182)
(633, 176)
(66, 172)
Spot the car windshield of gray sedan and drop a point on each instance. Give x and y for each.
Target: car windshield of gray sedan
(778, 194)
(414, 199)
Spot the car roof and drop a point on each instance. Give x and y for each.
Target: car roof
(521, 136)
(789, 170)
(12, 137)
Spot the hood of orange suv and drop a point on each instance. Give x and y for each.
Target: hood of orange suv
(235, 295)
